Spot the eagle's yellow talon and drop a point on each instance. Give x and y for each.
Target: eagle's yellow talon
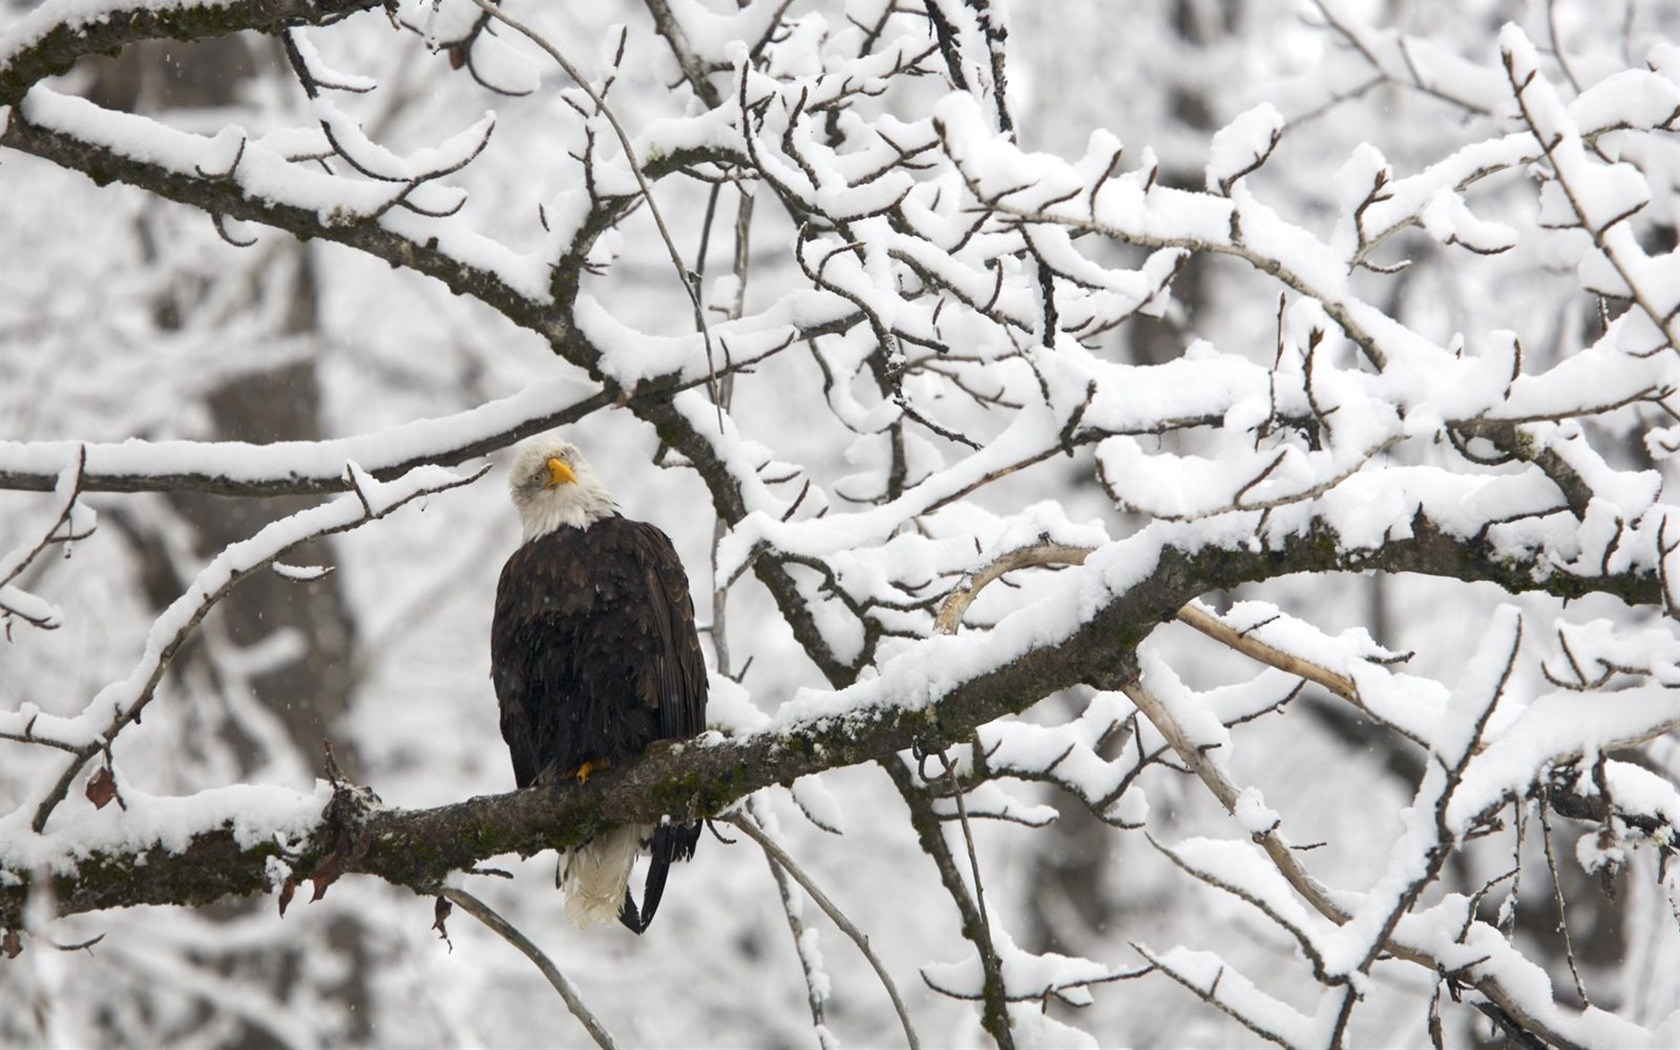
(593, 766)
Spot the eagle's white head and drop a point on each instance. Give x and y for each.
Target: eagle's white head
(552, 486)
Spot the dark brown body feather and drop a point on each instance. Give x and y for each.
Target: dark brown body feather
(595, 656)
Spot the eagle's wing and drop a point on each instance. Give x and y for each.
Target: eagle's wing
(514, 638)
(681, 667)
(682, 702)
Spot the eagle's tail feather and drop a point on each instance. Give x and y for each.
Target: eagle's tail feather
(628, 915)
(671, 843)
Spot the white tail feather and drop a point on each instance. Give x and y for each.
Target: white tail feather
(595, 874)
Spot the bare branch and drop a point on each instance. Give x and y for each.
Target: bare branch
(779, 858)
(510, 933)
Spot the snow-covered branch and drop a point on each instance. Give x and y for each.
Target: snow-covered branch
(63, 528)
(298, 467)
(876, 719)
(121, 703)
(54, 36)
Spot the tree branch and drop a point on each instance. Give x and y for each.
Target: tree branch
(510, 933)
(48, 41)
(782, 862)
(885, 715)
(296, 468)
(105, 163)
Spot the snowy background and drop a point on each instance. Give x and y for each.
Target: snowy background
(1353, 277)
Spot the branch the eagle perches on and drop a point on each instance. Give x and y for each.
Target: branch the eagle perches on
(421, 849)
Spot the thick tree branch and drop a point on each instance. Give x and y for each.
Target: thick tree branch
(225, 196)
(50, 41)
(420, 848)
(224, 468)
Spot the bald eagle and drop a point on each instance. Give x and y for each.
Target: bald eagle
(594, 655)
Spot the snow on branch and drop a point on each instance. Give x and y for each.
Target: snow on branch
(232, 468)
(70, 521)
(54, 35)
(1599, 198)
(121, 703)
(235, 175)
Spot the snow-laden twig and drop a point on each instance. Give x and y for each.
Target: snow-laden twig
(300, 467)
(1220, 985)
(1430, 832)
(1249, 643)
(1223, 865)
(126, 699)
(684, 276)
(1414, 62)
(16, 602)
(510, 933)
(693, 67)
(1601, 199)
(1230, 796)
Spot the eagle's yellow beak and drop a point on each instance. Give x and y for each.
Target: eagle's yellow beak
(559, 473)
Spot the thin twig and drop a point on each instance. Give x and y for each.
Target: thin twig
(508, 932)
(780, 856)
(1195, 616)
(724, 390)
(684, 275)
(957, 793)
(1557, 898)
(930, 832)
(816, 992)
